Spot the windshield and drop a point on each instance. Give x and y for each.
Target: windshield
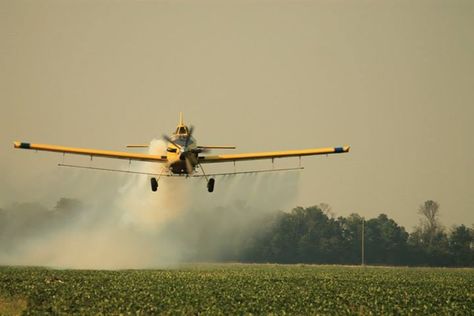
(181, 130)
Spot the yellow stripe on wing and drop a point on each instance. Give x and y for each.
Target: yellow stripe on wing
(91, 152)
(275, 154)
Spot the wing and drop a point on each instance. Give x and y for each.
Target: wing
(275, 154)
(91, 152)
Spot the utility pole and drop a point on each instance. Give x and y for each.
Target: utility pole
(363, 243)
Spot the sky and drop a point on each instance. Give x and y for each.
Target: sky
(393, 79)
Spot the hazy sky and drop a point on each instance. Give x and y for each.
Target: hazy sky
(393, 79)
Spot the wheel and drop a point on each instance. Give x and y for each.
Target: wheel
(210, 184)
(154, 184)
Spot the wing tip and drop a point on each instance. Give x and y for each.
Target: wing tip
(23, 145)
(343, 149)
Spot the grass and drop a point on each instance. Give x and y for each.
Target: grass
(12, 306)
(239, 289)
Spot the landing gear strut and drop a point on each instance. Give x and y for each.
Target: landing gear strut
(154, 184)
(210, 181)
(154, 181)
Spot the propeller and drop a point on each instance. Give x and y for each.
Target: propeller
(169, 140)
(200, 150)
(190, 134)
(189, 165)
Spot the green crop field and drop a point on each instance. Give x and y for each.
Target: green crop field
(238, 289)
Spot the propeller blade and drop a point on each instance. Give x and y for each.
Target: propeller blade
(169, 140)
(200, 150)
(189, 165)
(190, 133)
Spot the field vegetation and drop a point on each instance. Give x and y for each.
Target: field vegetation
(238, 289)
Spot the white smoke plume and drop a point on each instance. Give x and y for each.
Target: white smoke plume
(128, 226)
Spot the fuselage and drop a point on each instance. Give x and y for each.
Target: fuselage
(176, 155)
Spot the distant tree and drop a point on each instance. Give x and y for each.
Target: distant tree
(303, 235)
(386, 241)
(430, 225)
(309, 235)
(313, 228)
(258, 246)
(416, 248)
(322, 240)
(424, 253)
(327, 209)
(283, 242)
(351, 233)
(429, 242)
(460, 246)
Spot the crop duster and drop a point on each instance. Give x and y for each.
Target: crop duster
(183, 156)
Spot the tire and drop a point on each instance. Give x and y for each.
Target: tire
(154, 184)
(210, 184)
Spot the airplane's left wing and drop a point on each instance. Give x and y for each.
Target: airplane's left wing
(274, 154)
(91, 152)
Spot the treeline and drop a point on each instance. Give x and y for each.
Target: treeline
(313, 235)
(304, 235)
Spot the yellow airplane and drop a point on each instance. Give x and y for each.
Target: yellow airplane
(183, 156)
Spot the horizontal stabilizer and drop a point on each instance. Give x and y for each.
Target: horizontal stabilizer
(138, 146)
(216, 147)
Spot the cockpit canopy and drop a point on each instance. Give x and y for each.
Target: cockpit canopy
(182, 130)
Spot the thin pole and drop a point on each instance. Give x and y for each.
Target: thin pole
(363, 243)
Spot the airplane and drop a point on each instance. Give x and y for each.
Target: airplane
(183, 156)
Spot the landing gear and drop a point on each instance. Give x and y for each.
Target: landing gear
(210, 184)
(210, 181)
(154, 184)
